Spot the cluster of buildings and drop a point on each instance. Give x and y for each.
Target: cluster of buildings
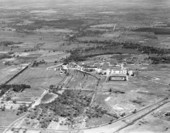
(112, 72)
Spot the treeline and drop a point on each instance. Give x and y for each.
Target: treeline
(15, 87)
(74, 56)
(104, 42)
(160, 60)
(156, 30)
(146, 49)
(82, 54)
(110, 48)
(108, 44)
(70, 105)
(8, 43)
(2, 56)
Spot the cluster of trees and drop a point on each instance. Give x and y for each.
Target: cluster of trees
(103, 47)
(146, 49)
(70, 104)
(103, 42)
(3, 108)
(109, 46)
(65, 105)
(156, 30)
(2, 56)
(15, 87)
(8, 43)
(43, 116)
(95, 112)
(161, 55)
(160, 59)
(82, 54)
(75, 55)
(22, 108)
(37, 63)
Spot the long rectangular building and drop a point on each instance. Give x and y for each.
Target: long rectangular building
(117, 78)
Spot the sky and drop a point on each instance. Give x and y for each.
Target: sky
(46, 3)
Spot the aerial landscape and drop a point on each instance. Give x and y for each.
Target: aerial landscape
(85, 66)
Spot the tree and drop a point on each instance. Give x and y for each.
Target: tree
(3, 108)
(14, 101)
(8, 98)
(110, 90)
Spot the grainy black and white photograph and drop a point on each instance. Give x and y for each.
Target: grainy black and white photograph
(84, 66)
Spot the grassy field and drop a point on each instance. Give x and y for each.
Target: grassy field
(161, 77)
(48, 97)
(28, 95)
(98, 121)
(38, 77)
(7, 72)
(101, 28)
(81, 81)
(51, 57)
(7, 117)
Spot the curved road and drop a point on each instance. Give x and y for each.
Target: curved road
(113, 127)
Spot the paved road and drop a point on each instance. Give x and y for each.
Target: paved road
(122, 123)
(14, 122)
(37, 102)
(114, 127)
(22, 117)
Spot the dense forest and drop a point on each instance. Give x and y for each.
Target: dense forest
(109, 47)
(15, 87)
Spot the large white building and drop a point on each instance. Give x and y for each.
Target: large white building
(112, 73)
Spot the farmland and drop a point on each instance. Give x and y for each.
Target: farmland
(96, 66)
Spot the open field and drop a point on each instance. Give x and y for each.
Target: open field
(51, 57)
(162, 77)
(7, 117)
(8, 72)
(100, 40)
(82, 81)
(38, 77)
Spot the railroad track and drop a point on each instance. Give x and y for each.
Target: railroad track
(158, 105)
(13, 77)
(61, 82)
(69, 80)
(95, 92)
(89, 74)
(81, 129)
(85, 80)
(65, 82)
